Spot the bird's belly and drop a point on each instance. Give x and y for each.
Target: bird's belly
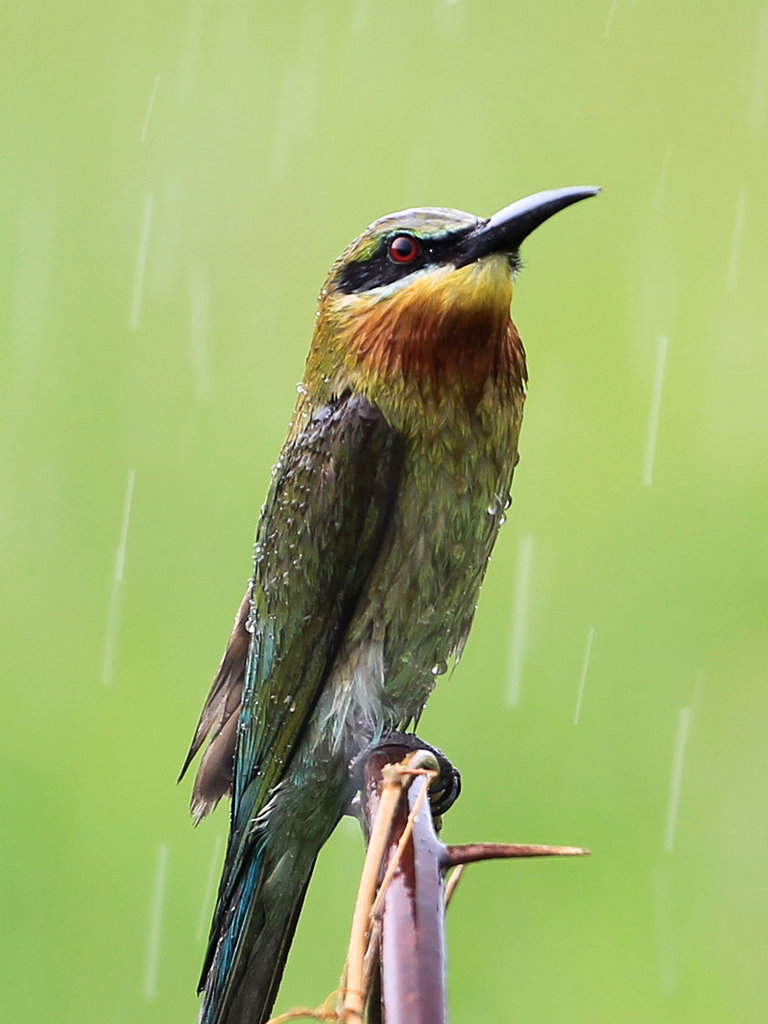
(416, 611)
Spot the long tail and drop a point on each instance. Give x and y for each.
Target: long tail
(252, 933)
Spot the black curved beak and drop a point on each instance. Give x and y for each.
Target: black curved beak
(505, 231)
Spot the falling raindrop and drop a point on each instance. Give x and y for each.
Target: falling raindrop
(678, 759)
(155, 922)
(583, 678)
(115, 594)
(150, 105)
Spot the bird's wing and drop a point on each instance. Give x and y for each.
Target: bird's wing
(318, 538)
(319, 533)
(219, 720)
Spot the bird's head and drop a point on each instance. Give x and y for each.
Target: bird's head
(424, 295)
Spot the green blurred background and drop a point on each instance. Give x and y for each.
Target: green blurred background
(175, 179)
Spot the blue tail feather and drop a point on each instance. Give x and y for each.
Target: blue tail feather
(247, 953)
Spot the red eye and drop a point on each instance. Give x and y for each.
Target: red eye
(403, 249)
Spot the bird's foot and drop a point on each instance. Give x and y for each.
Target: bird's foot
(444, 789)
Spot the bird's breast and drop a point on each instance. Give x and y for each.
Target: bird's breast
(417, 607)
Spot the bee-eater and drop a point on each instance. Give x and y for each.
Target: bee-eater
(372, 544)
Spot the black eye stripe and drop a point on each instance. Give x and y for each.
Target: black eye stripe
(382, 269)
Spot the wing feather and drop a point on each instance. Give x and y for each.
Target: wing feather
(319, 535)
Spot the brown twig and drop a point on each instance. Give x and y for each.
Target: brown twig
(412, 894)
(354, 985)
(384, 794)
(398, 920)
(402, 842)
(469, 853)
(412, 924)
(452, 883)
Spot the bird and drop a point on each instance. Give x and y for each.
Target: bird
(382, 510)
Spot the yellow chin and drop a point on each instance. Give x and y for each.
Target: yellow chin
(485, 284)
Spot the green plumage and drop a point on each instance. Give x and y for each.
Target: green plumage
(373, 542)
